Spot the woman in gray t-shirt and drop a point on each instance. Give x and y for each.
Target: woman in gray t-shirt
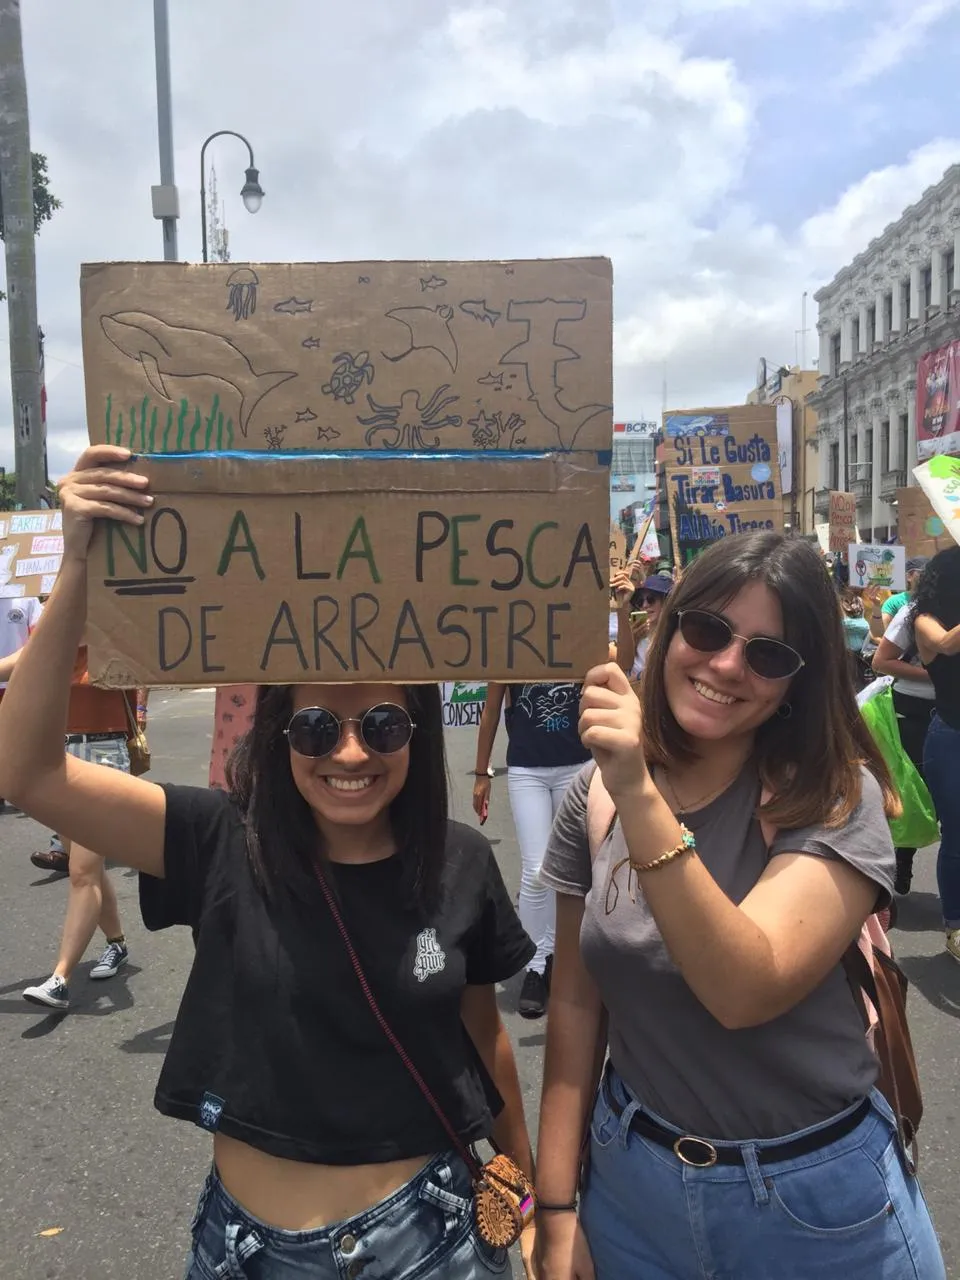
(737, 1130)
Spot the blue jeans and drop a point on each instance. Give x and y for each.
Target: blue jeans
(849, 1210)
(941, 768)
(424, 1231)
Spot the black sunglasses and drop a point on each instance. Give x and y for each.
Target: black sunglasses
(651, 597)
(384, 729)
(710, 633)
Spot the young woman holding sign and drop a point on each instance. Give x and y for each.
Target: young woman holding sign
(737, 843)
(340, 919)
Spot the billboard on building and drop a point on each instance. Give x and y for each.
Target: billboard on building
(938, 402)
(643, 430)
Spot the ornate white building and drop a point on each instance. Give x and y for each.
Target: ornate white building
(896, 301)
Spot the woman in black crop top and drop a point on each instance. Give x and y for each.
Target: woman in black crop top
(937, 632)
(328, 1160)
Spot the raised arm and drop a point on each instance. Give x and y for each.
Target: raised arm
(120, 817)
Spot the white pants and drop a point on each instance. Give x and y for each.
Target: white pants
(535, 796)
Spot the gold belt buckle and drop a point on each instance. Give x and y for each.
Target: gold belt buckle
(709, 1150)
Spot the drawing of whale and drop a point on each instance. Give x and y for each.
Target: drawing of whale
(172, 351)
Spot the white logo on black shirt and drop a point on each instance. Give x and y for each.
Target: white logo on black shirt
(430, 956)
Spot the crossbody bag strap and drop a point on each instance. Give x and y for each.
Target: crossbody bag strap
(470, 1160)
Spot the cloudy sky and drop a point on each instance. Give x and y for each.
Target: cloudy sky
(726, 154)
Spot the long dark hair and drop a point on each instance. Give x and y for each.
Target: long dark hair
(938, 592)
(810, 762)
(283, 842)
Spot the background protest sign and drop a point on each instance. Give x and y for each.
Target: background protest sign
(874, 565)
(938, 402)
(843, 521)
(919, 529)
(31, 548)
(418, 454)
(723, 483)
(940, 481)
(463, 703)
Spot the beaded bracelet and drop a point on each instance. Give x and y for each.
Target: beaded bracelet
(687, 842)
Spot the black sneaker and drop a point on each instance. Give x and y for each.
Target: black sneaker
(533, 995)
(904, 876)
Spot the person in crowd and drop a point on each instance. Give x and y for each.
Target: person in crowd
(936, 625)
(233, 711)
(97, 727)
(739, 823)
(544, 753)
(897, 656)
(856, 630)
(328, 1159)
(894, 603)
(18, 616)
(638, 616)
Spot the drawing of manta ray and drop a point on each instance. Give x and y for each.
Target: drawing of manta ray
(171, 351)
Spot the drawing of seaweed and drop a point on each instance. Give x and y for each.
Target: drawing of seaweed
(242, 298)
(141, 429)
(349, 374)
(402, 425)
(491, 432)
(428, 329)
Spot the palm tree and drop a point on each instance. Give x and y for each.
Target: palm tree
(16, 189)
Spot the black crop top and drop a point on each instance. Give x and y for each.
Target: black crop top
(274, 1043)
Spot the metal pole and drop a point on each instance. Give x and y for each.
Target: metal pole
(161, 27)
(846, 437)
(220, 133)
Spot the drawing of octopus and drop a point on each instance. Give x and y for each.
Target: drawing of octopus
(407, 421)
(242, 298)
(349, 374)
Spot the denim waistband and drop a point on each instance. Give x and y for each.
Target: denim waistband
(74, 739)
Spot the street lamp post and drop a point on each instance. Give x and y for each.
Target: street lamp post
(251, 192)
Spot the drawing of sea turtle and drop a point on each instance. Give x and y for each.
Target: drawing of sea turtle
(349, 374)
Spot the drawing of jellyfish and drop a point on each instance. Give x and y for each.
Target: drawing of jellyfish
(349, 374)
(242, 298)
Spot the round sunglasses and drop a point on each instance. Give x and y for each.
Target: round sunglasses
(384, 729)
(710, 633)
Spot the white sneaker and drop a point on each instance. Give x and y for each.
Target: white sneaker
(115, 954)
(53, 993)
(953, 943)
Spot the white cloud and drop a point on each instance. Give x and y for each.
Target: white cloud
(901, 30)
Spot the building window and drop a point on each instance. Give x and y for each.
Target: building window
(835, 465)
(902, 441)
(949, 272)
(927, 289)
(868, 454)
(885, 444)
(854, 452)
(835, 353)
(888, 312)
(871, 327)
(856, 336)
(904, 303)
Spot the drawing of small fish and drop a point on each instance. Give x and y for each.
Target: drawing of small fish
(293, 306)
(327, 433)
(312, 342)
(480, 311)
(492, 380)
(434, 282)
(305, 415)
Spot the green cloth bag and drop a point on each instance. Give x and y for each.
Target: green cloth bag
(917, 826)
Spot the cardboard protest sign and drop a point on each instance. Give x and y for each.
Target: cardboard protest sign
(31, 548)
(842, 520)
(378, 470)
(940, 481)
(718, 485)
(876, 566)
(919, 529)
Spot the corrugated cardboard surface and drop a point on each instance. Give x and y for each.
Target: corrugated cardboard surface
(31, 548)
(842, 520)
(370, 469)
(919, 529)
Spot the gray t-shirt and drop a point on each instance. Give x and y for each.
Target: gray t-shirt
(759, 1082)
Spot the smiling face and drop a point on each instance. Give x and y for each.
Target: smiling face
(352, 786)
(716, 696)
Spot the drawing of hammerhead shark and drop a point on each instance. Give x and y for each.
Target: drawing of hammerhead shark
(171, 351)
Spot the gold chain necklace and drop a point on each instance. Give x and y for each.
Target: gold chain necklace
(683, 810)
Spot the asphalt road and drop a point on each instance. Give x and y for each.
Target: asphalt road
(81, 1149)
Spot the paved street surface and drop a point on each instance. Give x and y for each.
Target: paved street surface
(83, 1150)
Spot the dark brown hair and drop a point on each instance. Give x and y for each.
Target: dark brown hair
(283, 842)
(810, 762)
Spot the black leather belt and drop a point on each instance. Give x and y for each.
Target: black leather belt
(74, 739)
(699, 1153)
